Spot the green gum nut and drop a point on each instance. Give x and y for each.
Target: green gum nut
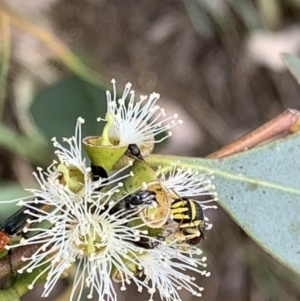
(72, 177)
(145, 150)
(145, 178)
(102, 155)
(142, 172)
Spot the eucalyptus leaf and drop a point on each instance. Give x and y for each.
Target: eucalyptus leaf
(56, 108)
(10, 191)
(293, 64)
(32, 146)
(260, 189)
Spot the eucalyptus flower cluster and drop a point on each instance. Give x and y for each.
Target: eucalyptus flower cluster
(117, 219)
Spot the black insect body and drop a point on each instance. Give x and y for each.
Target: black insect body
(134, 152)
(151, 242)
(17, 221)
(99, 174)
(14, 225)
(143, 197)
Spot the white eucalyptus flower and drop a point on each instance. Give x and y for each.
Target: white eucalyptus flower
(71, 156)
(136, 122)
(85, 231)
(65, 178)
(82, 229)
(88, 230)
(186, 182)
(167, 270)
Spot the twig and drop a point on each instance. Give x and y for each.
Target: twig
(288, 121)
(15, 260)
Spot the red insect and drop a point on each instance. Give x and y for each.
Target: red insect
(4, 240)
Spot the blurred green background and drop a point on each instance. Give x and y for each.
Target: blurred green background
(215, 62)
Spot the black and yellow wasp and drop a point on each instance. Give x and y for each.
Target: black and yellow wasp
(189, 215)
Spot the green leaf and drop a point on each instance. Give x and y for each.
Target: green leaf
(260, 189)
(293, 64)
(32, 146)
(9, 295)
(10, 191)
(56, 108)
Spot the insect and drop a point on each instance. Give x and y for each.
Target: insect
(150, 243)
(98, 173)
(144, 242)
(142, 197)
(190, 217)
(134, 152)
(4, 239)
(192, 236)
(15, 224)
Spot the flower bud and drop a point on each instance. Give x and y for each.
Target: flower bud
(102, 155)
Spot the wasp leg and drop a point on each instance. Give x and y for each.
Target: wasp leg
(191, 224)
